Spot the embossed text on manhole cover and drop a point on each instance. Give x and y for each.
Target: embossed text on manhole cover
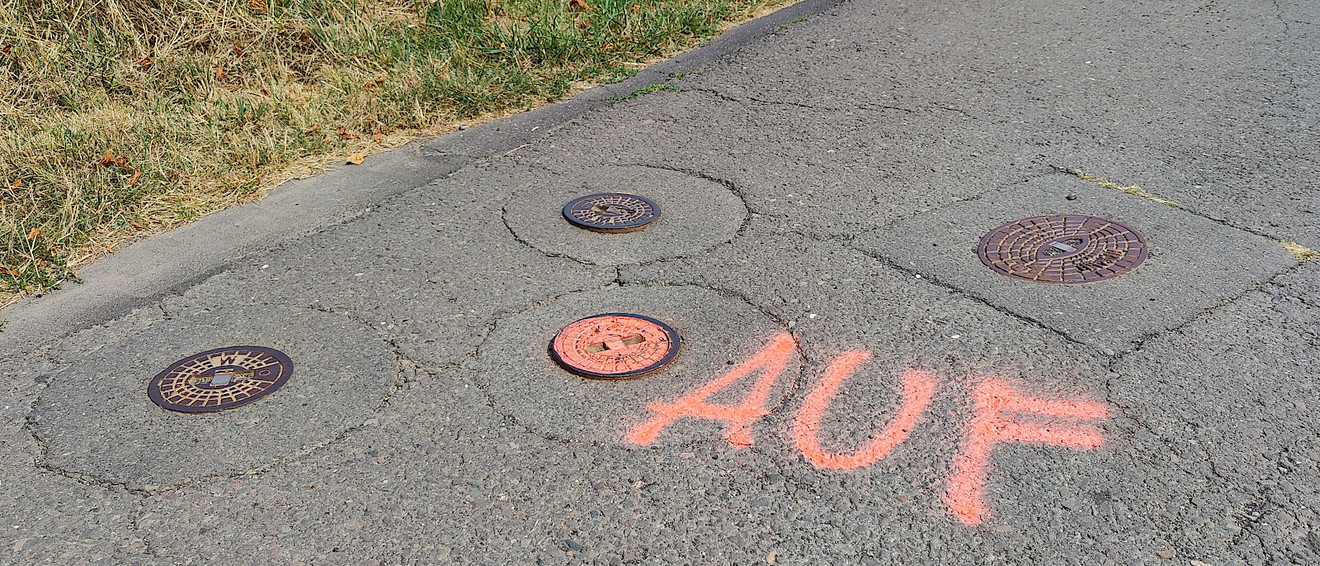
(1063, 248)
(615, 346)
(220, 379)
(611, 212)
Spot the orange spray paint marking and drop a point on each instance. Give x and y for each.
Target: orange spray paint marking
(993, 424)
(918, 388)
(770, 361)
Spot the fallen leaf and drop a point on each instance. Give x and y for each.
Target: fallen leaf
(17, 183)
(33, 234)
(265, 92)
(380, 80)
(145, 63)
(240, 52)
(504, 45)
(377, 137)
(578, 6)
(636, 7)
(7, 48)
(344, 134)
(5, 268)
(356, 158)
(313, 129)
(219, 73)
(134, 178)
(258, 5)
(122, 161)
(608, 47)
(108, 159)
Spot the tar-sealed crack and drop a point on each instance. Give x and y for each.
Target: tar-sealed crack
(936, 281)
(1221, 221)
(1205, 313)
(867, 107)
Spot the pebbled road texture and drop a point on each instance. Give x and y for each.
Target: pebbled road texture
(824, 184)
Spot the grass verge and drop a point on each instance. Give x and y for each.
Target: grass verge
(122, 118)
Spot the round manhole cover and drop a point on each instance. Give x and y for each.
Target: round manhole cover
(611, 212)
(1065, 248)
(615, 346)
(220, 379)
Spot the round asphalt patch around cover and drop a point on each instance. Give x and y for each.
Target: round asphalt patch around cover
(95, 417)
(718, 332)
(698, 215)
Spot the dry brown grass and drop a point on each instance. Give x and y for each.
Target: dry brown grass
(122, 118)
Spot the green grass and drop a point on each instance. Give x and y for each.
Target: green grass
(120, 118)
(648, 89)
(790, 24)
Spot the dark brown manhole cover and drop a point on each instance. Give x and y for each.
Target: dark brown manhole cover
(615, 346)
(1064, 248)
(220, 379)
(611, 212)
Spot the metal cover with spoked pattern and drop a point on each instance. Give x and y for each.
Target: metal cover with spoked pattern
(615, 346)
(611, 212)
(219, 379)
(1063, 248)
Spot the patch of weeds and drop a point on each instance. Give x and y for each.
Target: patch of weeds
(789, 24)
(1132, 190)
(648, 89)
(1302, 253)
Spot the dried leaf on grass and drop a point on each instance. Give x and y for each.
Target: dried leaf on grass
(17, 183)
(145, 63)
(356, 158)
(377, 137)
(108, 159)
(33, 234)
(313, 129)
(134, 179)
(578, 6)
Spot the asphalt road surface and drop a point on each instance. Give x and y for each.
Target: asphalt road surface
(853, 385)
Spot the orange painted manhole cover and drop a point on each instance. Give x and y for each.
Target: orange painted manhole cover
(615, 346)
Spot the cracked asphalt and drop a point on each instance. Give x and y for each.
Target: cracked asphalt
(825, 173)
